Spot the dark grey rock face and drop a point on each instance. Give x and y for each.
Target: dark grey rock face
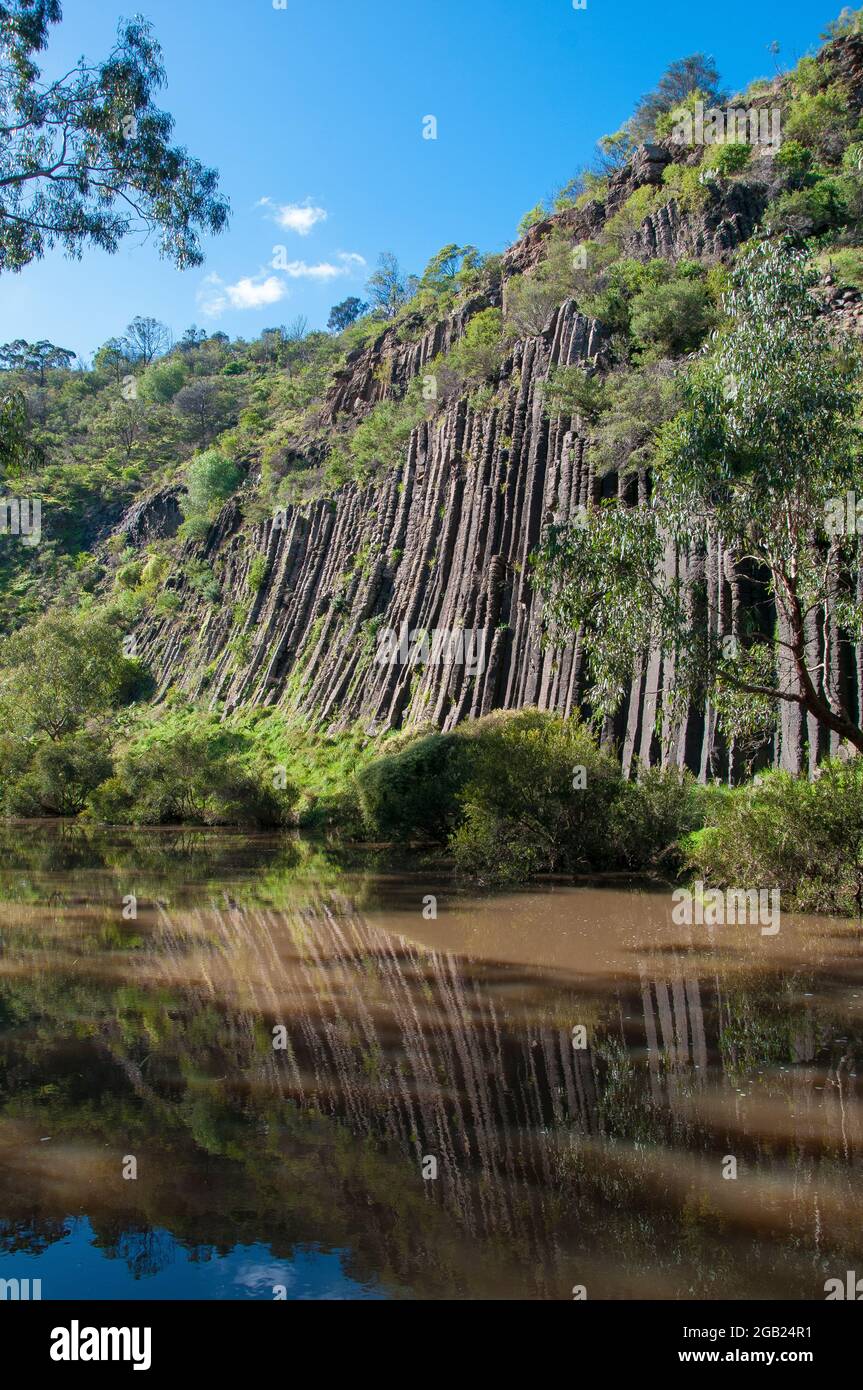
(444, 543)
(153, 518)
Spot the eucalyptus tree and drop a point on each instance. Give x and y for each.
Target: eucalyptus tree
(87, 159)
(764, 457)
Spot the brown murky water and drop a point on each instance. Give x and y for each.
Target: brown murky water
(583, 1076)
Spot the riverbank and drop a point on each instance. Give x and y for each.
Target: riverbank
(502, 800)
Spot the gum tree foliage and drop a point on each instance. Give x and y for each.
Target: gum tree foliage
(765, 443)
(342, 315)
(18, 453)
(145, 340)
(34, 357)
(113, 359)
(87, 159)
(696, 73)
(61, 671)
(389, 289)
(210, 479)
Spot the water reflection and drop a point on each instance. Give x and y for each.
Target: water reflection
(407, 1039)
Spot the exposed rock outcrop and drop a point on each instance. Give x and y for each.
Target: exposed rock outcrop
(443, 543)
(153, 518)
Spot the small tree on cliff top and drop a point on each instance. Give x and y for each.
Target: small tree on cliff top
(763, 457)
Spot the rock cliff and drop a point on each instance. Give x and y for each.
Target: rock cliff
(443, 543)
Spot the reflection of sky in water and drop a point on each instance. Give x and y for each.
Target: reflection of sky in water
(76, 1268)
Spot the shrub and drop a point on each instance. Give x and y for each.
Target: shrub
(201, 578)
(167, 603)
(479, 353)
(413, 793)
(194, 771)
(211, 478)
(805, 212)
(531, 298)
(654, 813)
(60, 775)
(820, 120)
(532, 219)
(571, 391)
(162, 380)
(687, 185)
(154, 571)
(259, 570)
(806, 838)
(852, 159)
(381, 441)
(728, 159)
(64, 670)
(674, 318)
(638, 206)
(494, 851)
(128, 576)
(636, 402)
(520, 793)
(794, 161)
(195, 528)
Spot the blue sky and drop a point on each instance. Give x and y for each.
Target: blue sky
(320, 106)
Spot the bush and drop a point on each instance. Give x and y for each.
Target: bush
(380, 442)
(60, 775)
(638, 206)
(167, 603)
(480, 352)
(532, 298)
(794, 160)
(687, 185)
(806, 212)
(572, 391)
(653, 815)
(413, 793)
(636, 403)
(191, 771)
(806, 838)
(820, 120)
(728, 159)
(532, 219)
(259, 569)
(494, 851)
(673, 318)
(211, 478)
(128, 576)
(162, 380)
(520, 794)
(201, 578)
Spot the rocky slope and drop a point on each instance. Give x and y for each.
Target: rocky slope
(444, 541)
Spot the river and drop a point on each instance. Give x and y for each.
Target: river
(237, 1066)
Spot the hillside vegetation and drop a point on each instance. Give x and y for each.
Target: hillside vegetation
(138, 458)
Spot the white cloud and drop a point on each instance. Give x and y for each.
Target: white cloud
(295, 217)
(346, 262)
(251, 292)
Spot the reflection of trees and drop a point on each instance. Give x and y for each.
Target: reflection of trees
(144, 1251)
(30, 1237)
(550, 1158)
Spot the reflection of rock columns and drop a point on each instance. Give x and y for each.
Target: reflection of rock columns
(677, 1016)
